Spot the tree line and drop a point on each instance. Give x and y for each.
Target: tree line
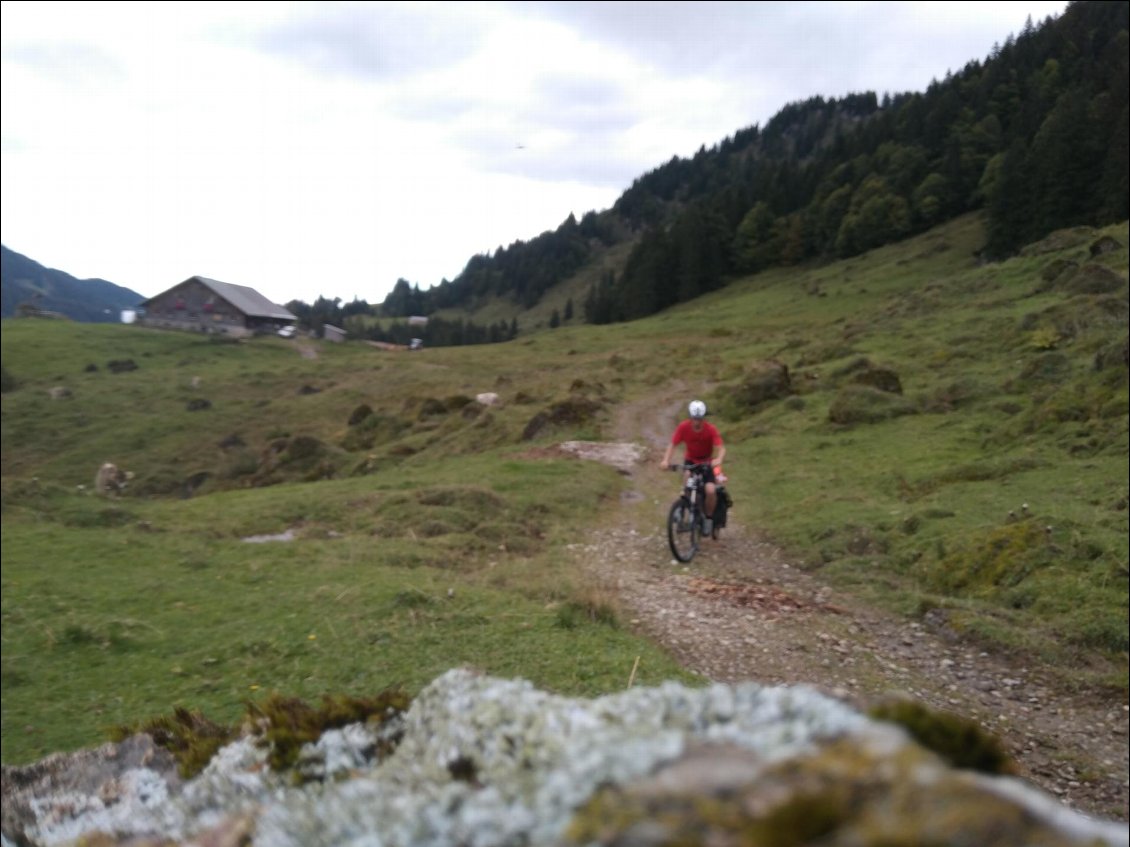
(1035, 135)
(364, 320)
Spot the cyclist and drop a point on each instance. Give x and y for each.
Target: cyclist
(702, 445)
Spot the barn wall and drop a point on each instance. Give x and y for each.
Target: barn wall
(193, 306)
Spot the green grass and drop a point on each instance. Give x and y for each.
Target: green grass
(108, 621)
(430, 532)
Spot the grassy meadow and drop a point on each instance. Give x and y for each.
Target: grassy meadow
(429, 531)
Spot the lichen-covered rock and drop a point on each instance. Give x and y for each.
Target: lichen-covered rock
(481, 761)
(849, 793)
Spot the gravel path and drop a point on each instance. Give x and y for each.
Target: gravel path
(741, 611)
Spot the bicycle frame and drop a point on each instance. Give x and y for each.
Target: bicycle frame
(687, 518)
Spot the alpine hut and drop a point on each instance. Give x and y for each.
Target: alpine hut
(207, 305)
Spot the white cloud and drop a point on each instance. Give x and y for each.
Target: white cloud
(312, 149)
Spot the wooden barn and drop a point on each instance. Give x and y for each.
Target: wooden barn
(207, 305)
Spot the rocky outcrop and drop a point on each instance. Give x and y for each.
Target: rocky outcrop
(765, 381)
(623, 456)
(483, 761)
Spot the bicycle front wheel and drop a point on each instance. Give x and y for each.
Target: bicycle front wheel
(683, 530)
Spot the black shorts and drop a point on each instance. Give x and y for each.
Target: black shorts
(707, 471)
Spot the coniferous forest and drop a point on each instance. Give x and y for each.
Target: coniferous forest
(1034, 135)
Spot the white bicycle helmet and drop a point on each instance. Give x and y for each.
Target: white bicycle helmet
(697, 409)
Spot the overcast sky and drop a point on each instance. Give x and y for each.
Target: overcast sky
(328, 149)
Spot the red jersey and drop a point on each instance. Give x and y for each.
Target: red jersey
(701, 444)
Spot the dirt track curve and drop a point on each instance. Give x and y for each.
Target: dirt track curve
(741, 611)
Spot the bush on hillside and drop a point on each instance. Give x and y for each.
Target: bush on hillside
(766, 381)
(575, 411)
(1094, 279)
(359, 414)
(371, 430)
(857, 404)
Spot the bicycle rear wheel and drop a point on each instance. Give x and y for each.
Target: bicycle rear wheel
(683, 530)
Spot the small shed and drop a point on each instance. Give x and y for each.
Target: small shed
(207, 305)
(333, 333)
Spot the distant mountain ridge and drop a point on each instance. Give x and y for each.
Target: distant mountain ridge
(24, 282)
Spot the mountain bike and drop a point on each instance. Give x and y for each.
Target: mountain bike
(686, 522)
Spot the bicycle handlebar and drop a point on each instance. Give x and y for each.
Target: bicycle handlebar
(689, 466)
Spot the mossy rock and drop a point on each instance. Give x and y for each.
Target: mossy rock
(859, 363)
(302, 449)
(884, 379)
(862, 371)
(281, 724)
(359, 414)
(371, 430)
(239, 463)
(1057, 268)
(1104, 244)
(861, 404)
(766, 381)
(1095, 279)
(841, 793)
(577, 410)
(959, 740)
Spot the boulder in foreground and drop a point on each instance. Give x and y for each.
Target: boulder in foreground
(482, 761)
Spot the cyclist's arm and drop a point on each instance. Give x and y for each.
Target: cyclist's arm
(667, 456)
(719, 455)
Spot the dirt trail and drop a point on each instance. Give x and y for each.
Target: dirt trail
(741, 611)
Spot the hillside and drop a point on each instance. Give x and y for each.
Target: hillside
(1034, 135)
(947, 448)
(27, 286)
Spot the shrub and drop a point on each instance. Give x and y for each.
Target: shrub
(856, 404)
(359, 414)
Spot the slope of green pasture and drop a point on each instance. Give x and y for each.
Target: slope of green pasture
(988, 492)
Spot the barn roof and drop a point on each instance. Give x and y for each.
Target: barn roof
(246, 299)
